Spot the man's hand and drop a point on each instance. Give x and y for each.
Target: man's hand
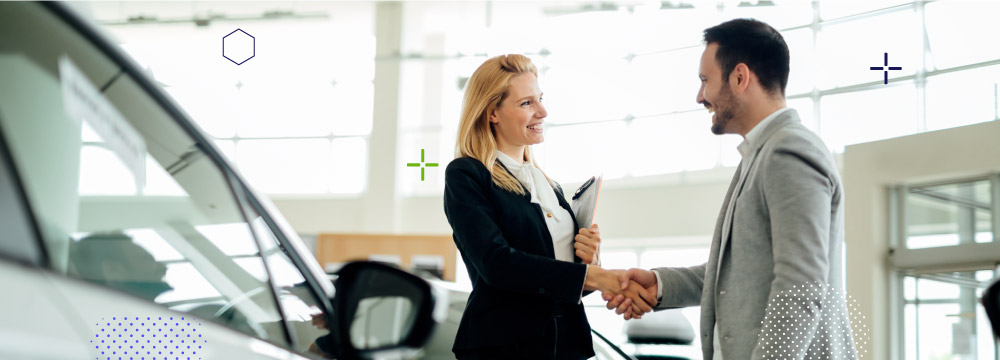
(642, 301)
(588, 245)
(624, 304)
(616, 284)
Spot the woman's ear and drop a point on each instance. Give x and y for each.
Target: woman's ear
(493, 116)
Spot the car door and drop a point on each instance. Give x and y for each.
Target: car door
(148, 250)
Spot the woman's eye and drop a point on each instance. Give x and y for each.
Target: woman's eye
(526, 103)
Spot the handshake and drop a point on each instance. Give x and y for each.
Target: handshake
(630, 292)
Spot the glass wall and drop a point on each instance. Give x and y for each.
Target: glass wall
(295, 118)
(620, 80)
(943, 317)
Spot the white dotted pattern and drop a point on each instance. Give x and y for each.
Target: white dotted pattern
(813, 321)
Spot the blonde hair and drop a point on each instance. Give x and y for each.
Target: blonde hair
(484, 92)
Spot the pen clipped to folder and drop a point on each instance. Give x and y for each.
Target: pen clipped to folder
(585, 201)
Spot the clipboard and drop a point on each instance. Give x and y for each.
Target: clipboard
(585, 201)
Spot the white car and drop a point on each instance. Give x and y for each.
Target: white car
(125, 234)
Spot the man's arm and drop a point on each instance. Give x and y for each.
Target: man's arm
(681, 286)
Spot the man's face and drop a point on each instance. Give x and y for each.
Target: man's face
(715, 93)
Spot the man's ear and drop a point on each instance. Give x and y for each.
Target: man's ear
(740, 77)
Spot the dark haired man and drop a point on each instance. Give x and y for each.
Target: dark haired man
(768, 289)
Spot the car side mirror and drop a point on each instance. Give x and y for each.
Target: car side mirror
(379, 308)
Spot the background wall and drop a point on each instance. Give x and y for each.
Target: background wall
(869, 170)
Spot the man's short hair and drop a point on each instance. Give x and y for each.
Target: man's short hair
(756, 44)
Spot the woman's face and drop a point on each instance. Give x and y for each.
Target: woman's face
(518, 119)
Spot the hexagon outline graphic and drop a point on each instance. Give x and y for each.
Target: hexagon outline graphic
(253, 50)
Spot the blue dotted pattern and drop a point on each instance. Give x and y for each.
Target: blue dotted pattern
(148, 338)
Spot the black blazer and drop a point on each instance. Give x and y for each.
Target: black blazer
(518, 287)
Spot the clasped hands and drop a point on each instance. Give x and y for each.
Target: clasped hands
(632, 293)
(628, 292)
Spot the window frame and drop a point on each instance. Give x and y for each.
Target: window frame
(250, 205)
(24, 219)
(981, 254)
(925, 262)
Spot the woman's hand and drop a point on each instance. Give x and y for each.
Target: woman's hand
(647, 288)
(642, 301)
(608, 282)
(615, 284)
(588, 245)
(634, 301)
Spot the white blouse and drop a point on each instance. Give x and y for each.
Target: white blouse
(557, 219)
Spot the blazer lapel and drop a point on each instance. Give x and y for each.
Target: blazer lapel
(548, 245)
(711, 269)
(527, 194)
(726, 219)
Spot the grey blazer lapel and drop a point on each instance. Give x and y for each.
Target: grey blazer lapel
(788, 117)
(712, 265)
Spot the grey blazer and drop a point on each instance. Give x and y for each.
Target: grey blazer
(786, 232)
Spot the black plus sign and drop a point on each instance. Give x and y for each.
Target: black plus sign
(886, 68)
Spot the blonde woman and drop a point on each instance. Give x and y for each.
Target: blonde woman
(529, 263)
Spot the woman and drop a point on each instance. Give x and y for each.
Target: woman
(528, 264)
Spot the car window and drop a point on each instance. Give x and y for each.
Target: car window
(123, 196)
(300, 305)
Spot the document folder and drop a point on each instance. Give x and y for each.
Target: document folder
(585, 201)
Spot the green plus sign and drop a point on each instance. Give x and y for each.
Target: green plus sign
(421, 164)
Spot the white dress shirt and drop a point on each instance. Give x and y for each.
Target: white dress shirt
(557, 219)
(749, 141)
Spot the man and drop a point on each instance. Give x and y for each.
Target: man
(780, 229)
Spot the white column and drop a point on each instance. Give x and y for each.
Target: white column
(381, 210)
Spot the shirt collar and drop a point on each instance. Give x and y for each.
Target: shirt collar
(753, 136)
(513, 165)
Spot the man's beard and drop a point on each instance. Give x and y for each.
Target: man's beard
(725, 110)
